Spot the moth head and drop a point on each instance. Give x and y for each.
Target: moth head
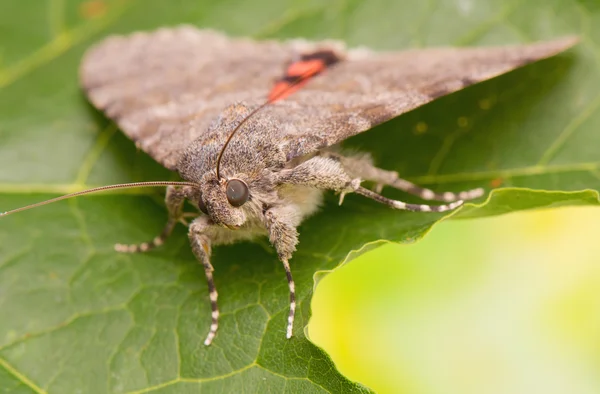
(223, 199)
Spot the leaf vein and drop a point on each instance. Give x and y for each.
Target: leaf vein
(94, 154)
(57, 46)
(56, 17)
(22, 378)
(67, 322)
(507, 173)
(286, 19)
(569, 130)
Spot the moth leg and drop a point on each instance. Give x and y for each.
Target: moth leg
(186, 215)
(361, 166)
(281, 223)
(200, 242)
(327, 173)
(320, 172)
(174, 199)
(406, 206)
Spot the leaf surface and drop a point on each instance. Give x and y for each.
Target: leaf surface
(77, 317)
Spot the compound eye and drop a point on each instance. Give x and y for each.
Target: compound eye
(237, 192)
(202, 205)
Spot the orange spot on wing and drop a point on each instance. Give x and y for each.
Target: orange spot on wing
(283, 89)
(296, 76)
(305, 68)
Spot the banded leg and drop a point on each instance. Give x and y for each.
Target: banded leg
(328, 173)
(292, 286)
(174, 199)
(281, 223)
(406, 206)
(362, 167)
(200, 243)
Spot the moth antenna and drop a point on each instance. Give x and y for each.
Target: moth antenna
(297, 80)
(96, 190)
(233, 133)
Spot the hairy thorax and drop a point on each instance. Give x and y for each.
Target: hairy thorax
(302, 202)
(256, 161)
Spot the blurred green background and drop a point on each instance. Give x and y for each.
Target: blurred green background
(501, 305)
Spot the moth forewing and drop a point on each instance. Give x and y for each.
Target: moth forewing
(251, 125)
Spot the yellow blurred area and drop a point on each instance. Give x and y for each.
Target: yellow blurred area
(509, 304)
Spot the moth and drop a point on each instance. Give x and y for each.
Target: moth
(253, 127)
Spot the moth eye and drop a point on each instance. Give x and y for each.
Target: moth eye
(237, 192)
(202, 206)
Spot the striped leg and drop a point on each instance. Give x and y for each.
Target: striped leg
(409, 207)
(281, 222)
(292, 286)
(174, 201)
(362, 167)
(200, 243)
(147, 246)
(427, 194)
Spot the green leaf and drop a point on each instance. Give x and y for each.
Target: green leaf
(77, 317)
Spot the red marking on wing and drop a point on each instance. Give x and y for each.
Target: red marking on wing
(305, 68)
(296, 76)
(300, 72)
(283, 89)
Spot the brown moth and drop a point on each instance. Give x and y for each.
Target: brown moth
(253, 127)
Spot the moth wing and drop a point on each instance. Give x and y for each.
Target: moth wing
(369, 88)
(164, 88)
